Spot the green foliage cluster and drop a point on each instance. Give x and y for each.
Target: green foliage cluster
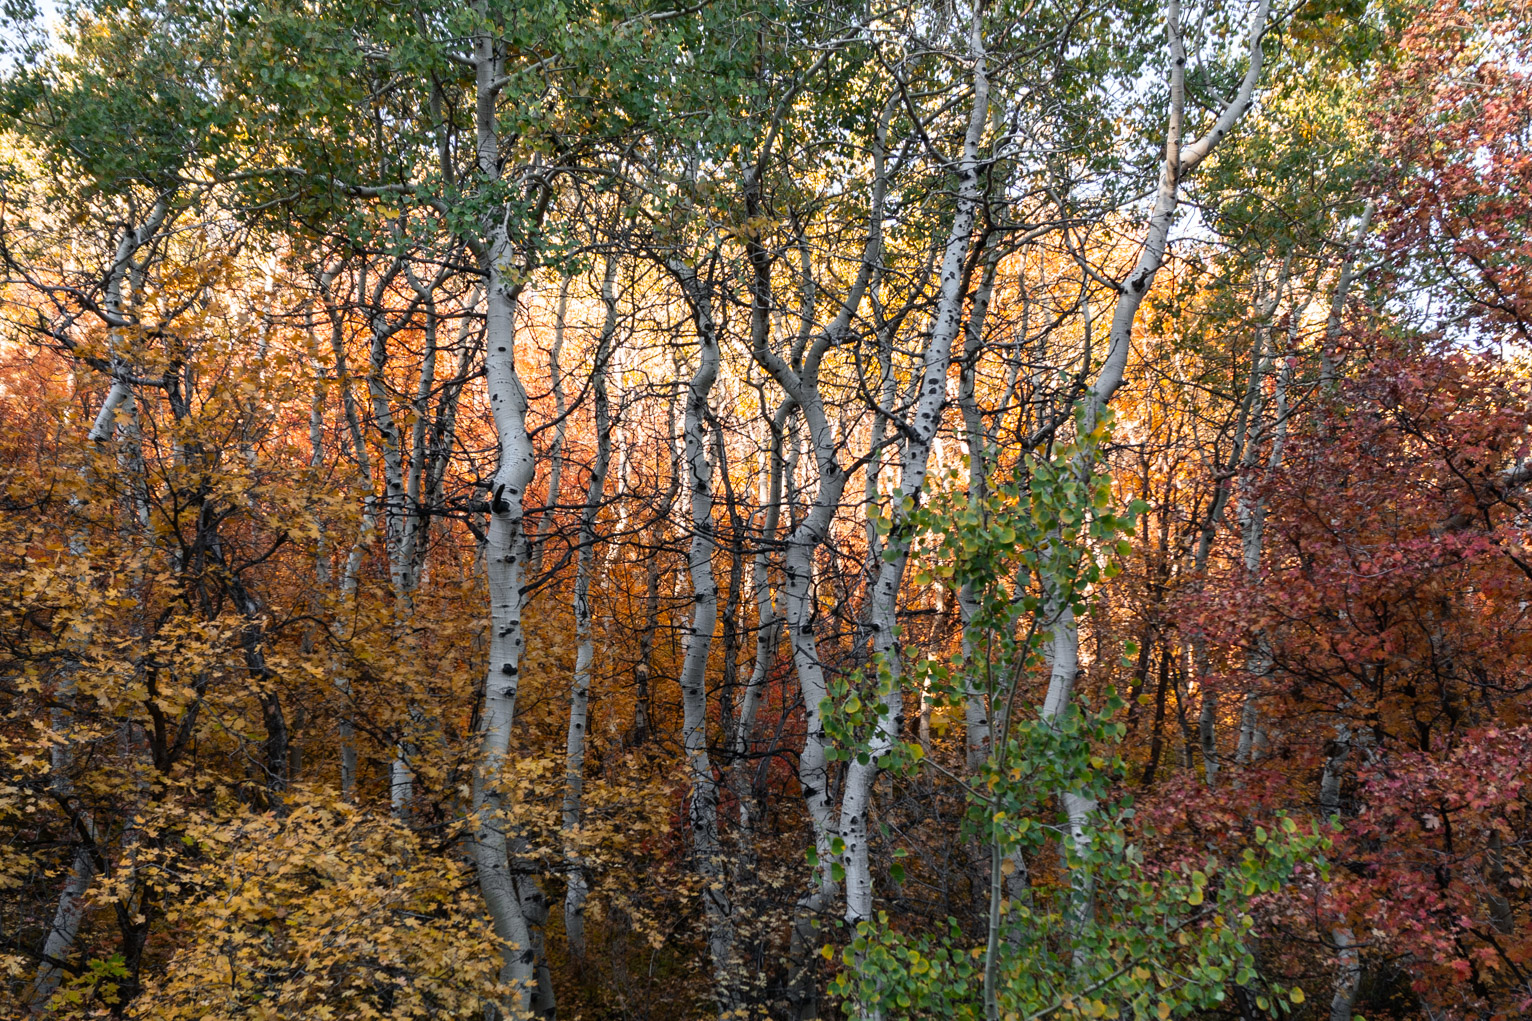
(1087, 926)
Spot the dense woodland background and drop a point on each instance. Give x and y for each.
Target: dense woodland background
(766, 508)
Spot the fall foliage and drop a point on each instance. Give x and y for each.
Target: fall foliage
(765, 510)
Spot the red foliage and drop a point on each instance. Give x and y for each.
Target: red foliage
(1455, 113)
(1394, 600)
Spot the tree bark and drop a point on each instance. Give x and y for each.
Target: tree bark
(918, 436)
(703, 813)
(585, 646)
(506, 548)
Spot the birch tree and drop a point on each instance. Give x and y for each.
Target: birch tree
(585, 648)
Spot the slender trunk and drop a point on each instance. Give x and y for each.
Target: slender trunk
(768, 631)
(506, 560)
(734, 728)
(560, 428)
(1181, 159)
(352, 567)
(585, 646)
(1349, 971)
(1348, 977)
(403, 476)
(505, 270)
(977, 437)
(69, 910)
(1327, 356)
(883, 615)
(624, 467)
(1252, 517)
(67, 914)
(703, 813)
(116, 413)
(394, 510)
(643, 709)
(1156, 743)
(798, 376)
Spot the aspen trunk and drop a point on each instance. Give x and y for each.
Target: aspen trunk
(703, 814)
(643, 710)
(1348, 980)
(1249, 408)
(1327, 367)
(506, 553)
(1252, 514)
(560, 428)
(883, 613)
(585, 646)
(1180, 160)
(801, 385)
(351, 569)
(977, 438)
(69, 910)
(506, 557)
(62, 931)
(768, 631)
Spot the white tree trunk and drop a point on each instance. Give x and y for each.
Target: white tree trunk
(703, 813)
(560, 428)
(768, 631)
(1348, 980)
(1179, 162)
(404, 469)
(506, 558)
(977, 438)
(1327, 368)
(585, 646)
(351, 569)
(1246, 436)
(643, 668)
(883, 614)
(70, 907)
(65, 926)
(803, 392)
(506, 551)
